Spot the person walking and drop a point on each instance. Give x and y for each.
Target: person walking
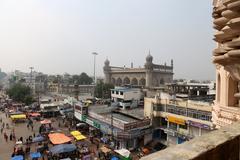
(10, 137)
(5, 136)
(32, 126)
(1, 130)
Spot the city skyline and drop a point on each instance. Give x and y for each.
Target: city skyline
(55, 39)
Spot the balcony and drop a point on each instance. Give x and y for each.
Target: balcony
(222, 144)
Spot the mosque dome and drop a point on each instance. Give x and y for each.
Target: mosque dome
(107, 62)
(149, 58)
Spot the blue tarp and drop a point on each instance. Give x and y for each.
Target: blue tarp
(63, 148)
(17, 158)
(38, 139)
(35, 155)
(114, 158)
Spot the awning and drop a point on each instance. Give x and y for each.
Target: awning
(18, 116)
(123, 152)
(58, 138)
(75, 133)
(38, 139)
(46, 121)
(63, 148)
(80, 137)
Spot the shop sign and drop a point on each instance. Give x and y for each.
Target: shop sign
(176, 120)
(199, 125)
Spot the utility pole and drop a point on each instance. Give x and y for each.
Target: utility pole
(94, 72)
(31, 75)
(94, 68)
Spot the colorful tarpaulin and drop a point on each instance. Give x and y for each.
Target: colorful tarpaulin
(63, 148)
(46, 121)
(35, 155)
(58, 138)
(38, 139)
(35, 114)
(80, 137)
(17, 158)
(19, 116)
(75, 133)
(123, 152)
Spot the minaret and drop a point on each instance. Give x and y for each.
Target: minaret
(149, 70)
(106, 70)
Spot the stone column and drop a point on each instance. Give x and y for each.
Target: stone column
(148, 78)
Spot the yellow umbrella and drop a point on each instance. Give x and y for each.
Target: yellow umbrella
(75, 133)
(19, 116)
(80, 137)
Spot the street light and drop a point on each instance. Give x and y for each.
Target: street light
(94, 69)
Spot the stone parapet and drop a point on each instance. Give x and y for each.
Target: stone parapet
(221, 144)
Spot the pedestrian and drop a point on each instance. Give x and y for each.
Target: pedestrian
(32, 127)
(10, 137)
(13, 137)
(5, 136)
(34, 134)
(21, 139)
(3, 125)
(1, 130)
(28, 125)
(7, 126)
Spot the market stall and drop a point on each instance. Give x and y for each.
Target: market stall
(77, 135)
(18, 117)
(58, 138)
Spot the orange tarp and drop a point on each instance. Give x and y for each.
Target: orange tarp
(58, 138)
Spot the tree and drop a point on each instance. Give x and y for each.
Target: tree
(20, 93)
(81, 79)
(103, 90)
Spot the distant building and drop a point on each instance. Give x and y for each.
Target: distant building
(127, 97)
(152, 75)
(176, 120)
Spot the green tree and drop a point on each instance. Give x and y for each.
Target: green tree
(103, 90)
(81, 79)
(20, 93)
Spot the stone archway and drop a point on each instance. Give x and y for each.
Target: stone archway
(142, 82)
(113, 81)
(232, 90)
(119, 82)
(134, 81)
(126, 80)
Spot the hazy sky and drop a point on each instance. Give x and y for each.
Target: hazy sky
(57, 36)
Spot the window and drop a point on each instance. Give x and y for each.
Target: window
(121, 93)
(117, 92)
(183, 126)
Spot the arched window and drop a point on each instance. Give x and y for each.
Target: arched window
(126, 80)
(119, 82)
(134, 81)
(113, 81)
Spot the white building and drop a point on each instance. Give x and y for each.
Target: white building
(127, 97)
